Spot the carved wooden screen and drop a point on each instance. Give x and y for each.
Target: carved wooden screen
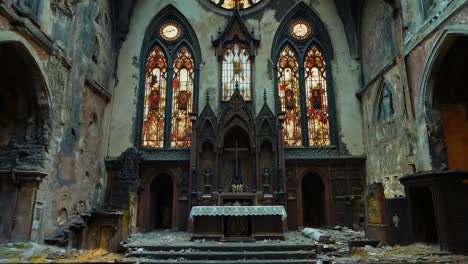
(155, 98)
(182, 101)
(316, 95)
(236, 72)
(289, 95)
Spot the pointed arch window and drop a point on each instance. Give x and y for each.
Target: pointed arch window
(288, 91)
(169, 82)
(182, 98)
(155, 99)
(236, 71)
(235, 49)
(302, 52)
(316, 98)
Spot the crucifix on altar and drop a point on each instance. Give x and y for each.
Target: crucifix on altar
(237, 180)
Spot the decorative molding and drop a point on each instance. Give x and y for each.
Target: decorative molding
(98, 89)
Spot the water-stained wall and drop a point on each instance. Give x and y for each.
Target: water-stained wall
(70, 42)
(402, 144)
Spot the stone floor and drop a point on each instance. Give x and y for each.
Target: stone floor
(335, 252)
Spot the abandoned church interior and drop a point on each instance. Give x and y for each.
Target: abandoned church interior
(233, 120)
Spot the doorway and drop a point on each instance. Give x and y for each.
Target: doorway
(425, 225)
(450, 98)
(161, 202)
(313, 199)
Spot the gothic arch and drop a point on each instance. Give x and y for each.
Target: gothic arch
(384, 84)
(320, 36)
(26, 124)
(436, 55)
(145, 200)
(443, 109)
(40, 87)
(312, 123)
(188, 42)
(327, 195)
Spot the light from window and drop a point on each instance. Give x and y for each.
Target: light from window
(182, 101)
(236, 72)
(233, 4)
(317, 101)
(155, 97)
(288, 91)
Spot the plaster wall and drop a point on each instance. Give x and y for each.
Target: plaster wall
(77, 99)
(393, 151)
(205, 23)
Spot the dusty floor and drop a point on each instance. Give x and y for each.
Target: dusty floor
(336, 252)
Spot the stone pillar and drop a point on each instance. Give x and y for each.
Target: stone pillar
(28, 183)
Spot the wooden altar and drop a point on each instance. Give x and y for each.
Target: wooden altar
(237, 223)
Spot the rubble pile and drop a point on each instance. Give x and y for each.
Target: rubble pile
(35, 253)
(336, 250)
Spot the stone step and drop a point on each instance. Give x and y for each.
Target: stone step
(236, 247)
(224, 255)
(244, 261)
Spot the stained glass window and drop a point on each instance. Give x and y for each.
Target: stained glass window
(316, 95)
(232, 4)
(289, 94)
(236, 71)
(182, 100)
(155, 98)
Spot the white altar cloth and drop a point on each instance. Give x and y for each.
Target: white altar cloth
(238, 211)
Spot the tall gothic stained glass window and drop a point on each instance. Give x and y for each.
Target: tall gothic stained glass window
(316, 98)
(302, 53)
(169, 82)
(236, 72)
(182, 98)
(289, 95)
(155, 98)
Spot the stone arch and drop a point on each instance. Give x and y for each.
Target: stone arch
(436, 55)
(384, 84)
(327, 204)
(443, 109)
(25, 128)
(147, 204)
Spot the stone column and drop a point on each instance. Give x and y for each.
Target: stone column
(28, 183)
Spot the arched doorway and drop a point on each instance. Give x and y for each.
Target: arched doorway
(313, 200)
(24, 130)
(450, 100)
(161, 202)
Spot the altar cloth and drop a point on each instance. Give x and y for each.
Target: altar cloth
(238, 211)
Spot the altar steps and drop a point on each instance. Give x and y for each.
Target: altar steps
(224, 254)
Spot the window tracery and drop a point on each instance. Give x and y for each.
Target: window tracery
(317, 101)
(182, 100)
(169, 82)
(236, 71)
(301, 52)
(155, 98)
(288, 91)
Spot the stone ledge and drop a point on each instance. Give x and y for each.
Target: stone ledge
(98, 89)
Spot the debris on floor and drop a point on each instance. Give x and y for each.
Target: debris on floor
(36, 253)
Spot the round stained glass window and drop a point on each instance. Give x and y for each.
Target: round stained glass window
(170, 31)
(233, 4)
(300, 30)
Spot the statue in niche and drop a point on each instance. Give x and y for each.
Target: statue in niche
(207, 176)
(386, 105)
(266, 176)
